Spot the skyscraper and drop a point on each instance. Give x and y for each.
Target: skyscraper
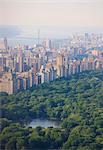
(5, 43)
(47, 43)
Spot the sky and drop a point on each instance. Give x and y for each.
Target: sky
(63, 13)
(52, 17)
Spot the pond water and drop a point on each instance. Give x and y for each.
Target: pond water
(44, 123)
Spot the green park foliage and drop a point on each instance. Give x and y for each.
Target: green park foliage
(77, 102)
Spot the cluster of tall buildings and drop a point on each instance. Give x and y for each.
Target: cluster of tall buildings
(22, 68)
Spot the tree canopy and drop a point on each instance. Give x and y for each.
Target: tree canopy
(77, 102)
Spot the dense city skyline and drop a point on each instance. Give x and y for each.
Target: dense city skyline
(23, 66)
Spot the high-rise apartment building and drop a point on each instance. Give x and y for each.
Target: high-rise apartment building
(8, 83)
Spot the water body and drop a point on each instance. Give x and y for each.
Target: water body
(44, 123)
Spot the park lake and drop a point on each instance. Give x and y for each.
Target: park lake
(44, 123)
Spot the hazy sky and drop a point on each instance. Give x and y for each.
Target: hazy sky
(61, 13)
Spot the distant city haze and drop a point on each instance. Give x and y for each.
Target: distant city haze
(54, 18)
(27, 35)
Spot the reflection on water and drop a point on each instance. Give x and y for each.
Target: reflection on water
(44, 123)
